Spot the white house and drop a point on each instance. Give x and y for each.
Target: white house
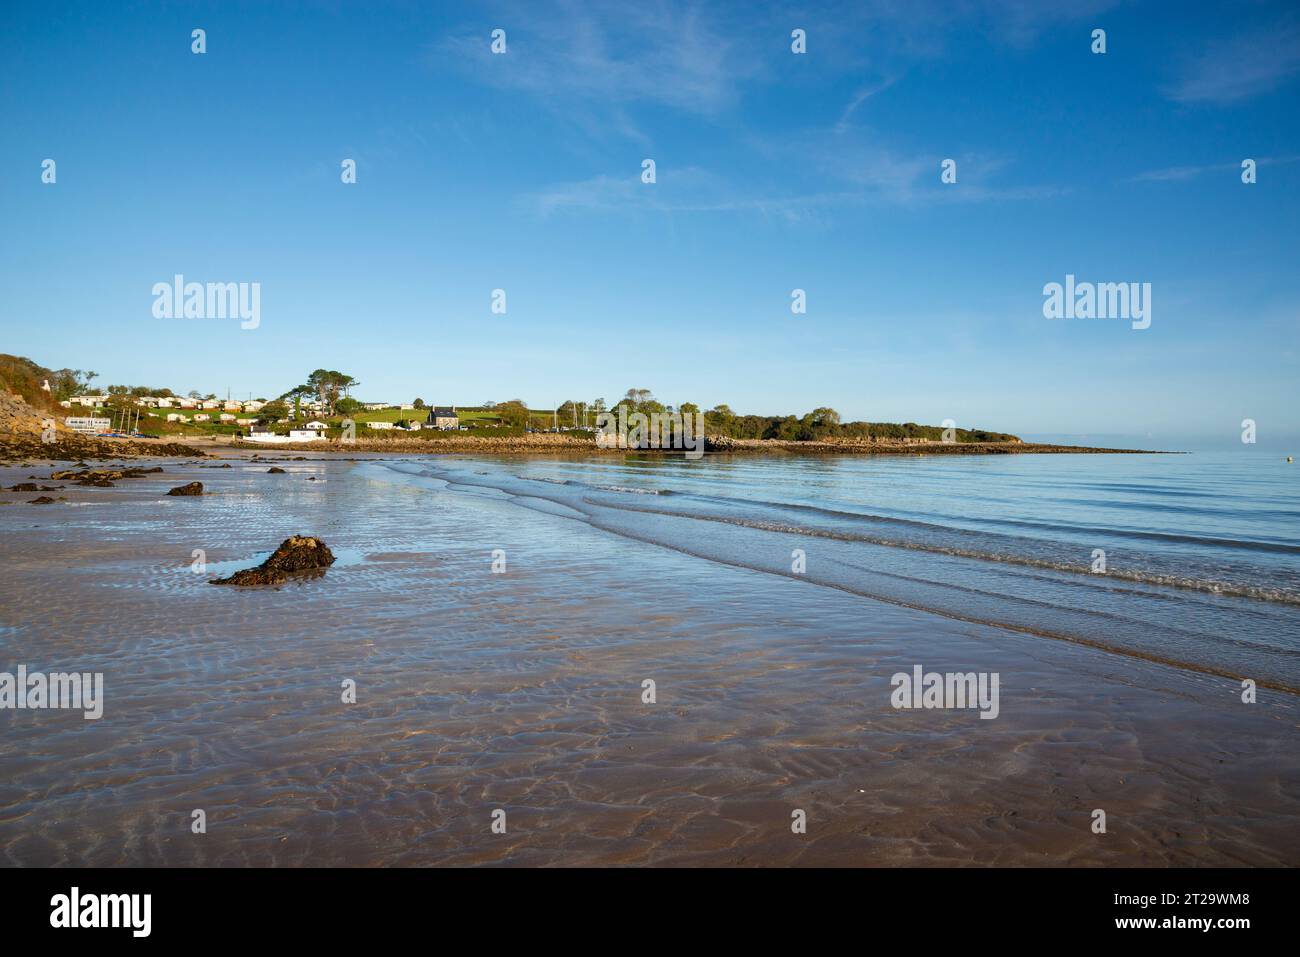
(260, 433)
(270, 438)
(227, 417)
(378, 425)
(177, 417)
(202, 417)
(87, 425)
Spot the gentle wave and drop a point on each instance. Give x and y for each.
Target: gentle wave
(1262, 593)
(573, 483)
(1280, 548)
(1188, 598)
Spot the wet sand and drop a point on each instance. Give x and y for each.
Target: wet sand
(522, 691)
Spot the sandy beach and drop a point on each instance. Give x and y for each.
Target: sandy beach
(522, 691)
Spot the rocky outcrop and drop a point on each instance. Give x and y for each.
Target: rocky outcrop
(300, 555)
(193, 488)
(100, 478)
(71, 447)
(19, 418)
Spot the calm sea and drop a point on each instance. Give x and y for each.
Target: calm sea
(1188, 559)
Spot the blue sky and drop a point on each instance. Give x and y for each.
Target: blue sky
(775, 171)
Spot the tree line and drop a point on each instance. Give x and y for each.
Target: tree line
(819, 424)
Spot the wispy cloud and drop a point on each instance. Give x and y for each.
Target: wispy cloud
(665, 53)
(1174, 174)
(1240, 67)
(860, 159)
(702, 59)
(911, 30)
(1021, 22)
(689, 190)
(602, 64)
(854, 173)
(859, 97)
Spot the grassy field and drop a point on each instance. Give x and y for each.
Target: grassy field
(157, 424)
(466, 416)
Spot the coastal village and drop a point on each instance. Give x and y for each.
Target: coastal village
(101, 415)
(323, 410)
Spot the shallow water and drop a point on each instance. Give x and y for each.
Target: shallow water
(522, 691)
(1201, 552)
